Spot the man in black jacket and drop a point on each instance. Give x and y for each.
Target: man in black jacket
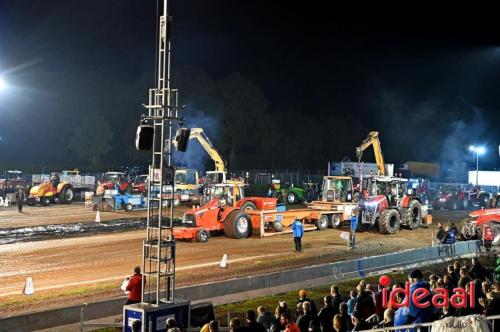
(336, 299)
(252, 325)
(20, 199)
(326, 314)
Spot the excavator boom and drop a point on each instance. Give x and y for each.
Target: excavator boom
(373, 140)
(199, 134)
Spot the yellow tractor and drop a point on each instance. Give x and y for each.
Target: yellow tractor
(51, 192)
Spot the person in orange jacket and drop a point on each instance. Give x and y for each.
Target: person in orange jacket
(290, 326)
(134, 287)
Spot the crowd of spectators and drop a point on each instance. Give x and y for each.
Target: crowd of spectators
(362, 308)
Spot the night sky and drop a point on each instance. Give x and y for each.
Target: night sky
(427, 79)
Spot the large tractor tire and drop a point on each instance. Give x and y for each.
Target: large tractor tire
(292, 198)
(323, 222)
(66, 195)
(389, 222)
(237, 225)
(412, 218)
(248, 206)
(483, 200)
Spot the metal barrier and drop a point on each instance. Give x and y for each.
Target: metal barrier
(428, 326)
(84, 325)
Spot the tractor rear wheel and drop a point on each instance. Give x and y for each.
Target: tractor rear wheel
(248, 206)
(202, 236)
(389, 221)
(323, 222)
(66, 195)
(412, 218)
(237, 225)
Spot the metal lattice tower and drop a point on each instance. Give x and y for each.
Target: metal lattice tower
(158, 263)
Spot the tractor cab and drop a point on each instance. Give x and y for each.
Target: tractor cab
(337, 189)
(231, 193)
(393, 188)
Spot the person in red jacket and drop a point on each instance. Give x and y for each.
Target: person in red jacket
(134, 286)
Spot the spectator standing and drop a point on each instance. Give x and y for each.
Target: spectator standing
(303, 297)
(450, 236)
(234, 325)
(264, 317)
(477, 271)
(276, 323)
(453, 275)
(326, 314)
(358, 322)
(440, 235)
(336, 298)
(252, 325)
(464, 277)
(307, 317)
(365, 305)
(20, 199)
(351, 303)
(288, 325)
(346, 319)
(298, 233)
(337, 324)
(352, 229)
(416, 314)
(134, 287)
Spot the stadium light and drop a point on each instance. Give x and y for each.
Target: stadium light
(478, 150)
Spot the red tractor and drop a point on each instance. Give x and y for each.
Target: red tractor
(387, 202)
(226, 211)
(484, 218)
(475, 198)
(450, 197)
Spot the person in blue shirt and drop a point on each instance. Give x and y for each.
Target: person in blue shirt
(298, 232)
(415, 314)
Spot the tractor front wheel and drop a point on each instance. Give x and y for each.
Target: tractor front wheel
(292, 198)
(202, 236)
(45, 201)
(389, 222)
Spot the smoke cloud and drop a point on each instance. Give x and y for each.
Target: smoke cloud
(196, 157)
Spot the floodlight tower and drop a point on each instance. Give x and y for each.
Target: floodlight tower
(158, 263)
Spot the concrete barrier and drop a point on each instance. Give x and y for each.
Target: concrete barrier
(272, 283)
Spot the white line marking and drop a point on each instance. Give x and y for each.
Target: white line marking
(189, 267)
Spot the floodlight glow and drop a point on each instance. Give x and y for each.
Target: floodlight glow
(3, 84)
(480, 150)
(477, 149)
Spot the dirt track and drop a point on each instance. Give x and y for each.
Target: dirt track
(57, 266)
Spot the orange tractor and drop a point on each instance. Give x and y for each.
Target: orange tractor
(51, 191)
(227, 211)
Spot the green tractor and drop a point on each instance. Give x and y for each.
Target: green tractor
(292, 195)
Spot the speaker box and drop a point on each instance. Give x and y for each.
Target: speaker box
(182, 139)
(144, 137)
